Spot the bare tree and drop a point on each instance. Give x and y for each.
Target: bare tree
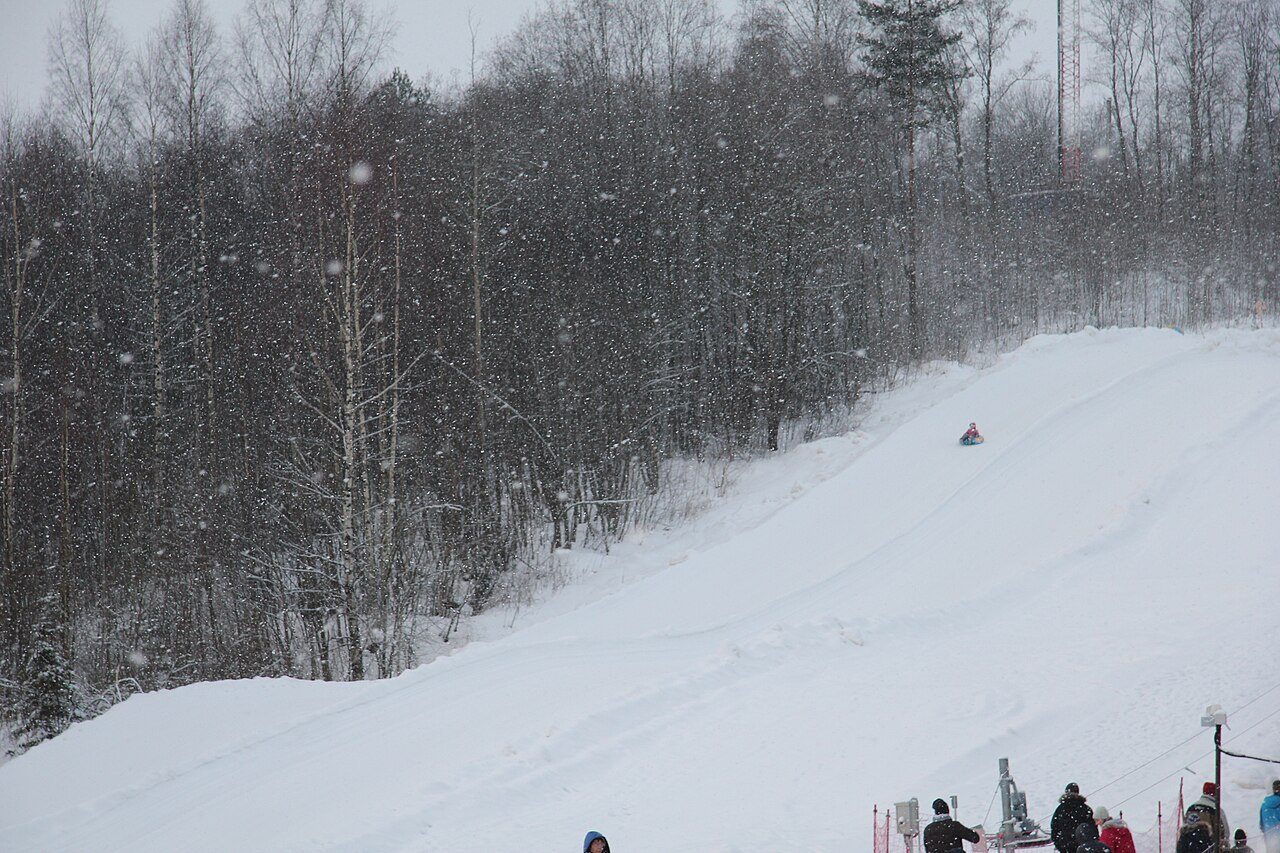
(990, 26)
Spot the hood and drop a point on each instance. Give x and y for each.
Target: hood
(1065, 797)
(592, 836)
(1114, 823)
(1086, 831)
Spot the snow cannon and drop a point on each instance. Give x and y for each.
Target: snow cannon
(1017, 830)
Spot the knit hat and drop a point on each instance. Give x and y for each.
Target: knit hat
(1072, 788)
(940, 806)
(1241, 835)
(1210, 789)
(1101, 813)
(1275, 786)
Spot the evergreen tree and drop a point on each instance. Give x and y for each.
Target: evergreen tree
(906, 58)
(47, 703)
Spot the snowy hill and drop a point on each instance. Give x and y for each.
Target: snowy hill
(868, 618)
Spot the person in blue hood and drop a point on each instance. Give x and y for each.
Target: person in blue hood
(1269, 818)
(595, 843)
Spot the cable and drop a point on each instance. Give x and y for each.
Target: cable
(1251, 757)
(991, 805)
(1146, 763)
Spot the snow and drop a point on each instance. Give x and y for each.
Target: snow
(861, 620)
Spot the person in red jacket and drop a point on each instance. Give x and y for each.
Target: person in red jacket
(1113, 831)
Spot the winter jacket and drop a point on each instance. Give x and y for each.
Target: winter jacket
(1116, 835)
(943, 835)
(1087, 839)
(971, 432)
(1240, 848)
(1195, 837)
(1269, 814)
(1072, 811)
(1217, 818)
(592, 836)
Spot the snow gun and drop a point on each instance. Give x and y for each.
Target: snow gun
(1017, 830)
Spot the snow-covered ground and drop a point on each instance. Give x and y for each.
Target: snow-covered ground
(863, 619)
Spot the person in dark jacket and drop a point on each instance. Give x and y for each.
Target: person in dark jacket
(1210, 810)
(595, 843)
(1242, 843)
(1072, 811)
(945, 835)
(1087, 839)
(1196, 835)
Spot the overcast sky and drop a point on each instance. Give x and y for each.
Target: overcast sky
(432, 36)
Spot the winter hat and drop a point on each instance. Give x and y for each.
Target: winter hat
(940, 806)
(1073, 788)
(1210, 789)
(1275, 786)
(1241, 835)
(1101, 813)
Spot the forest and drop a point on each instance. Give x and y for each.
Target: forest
(301, 360)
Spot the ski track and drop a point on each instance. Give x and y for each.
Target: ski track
(883, 627)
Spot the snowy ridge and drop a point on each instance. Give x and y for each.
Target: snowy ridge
(865, 619)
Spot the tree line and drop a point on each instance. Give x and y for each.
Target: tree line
(304, 360)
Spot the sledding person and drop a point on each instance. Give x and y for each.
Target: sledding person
(971, 435)
(943, 834)
(595, 843)
(1087, 839)
(1210, 811)
(1196, 835)
(1242, 843)
(1113, 832)
(1071, 812)
(1269, 818)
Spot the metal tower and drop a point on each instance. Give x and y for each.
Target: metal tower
(1069, 91)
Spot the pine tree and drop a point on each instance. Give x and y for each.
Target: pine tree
(906, 58)
(47, 705)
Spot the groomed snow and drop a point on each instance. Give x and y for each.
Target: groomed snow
(864, 619)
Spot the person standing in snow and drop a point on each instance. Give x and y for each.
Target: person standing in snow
(1242, 843)
(1269, 818)
(1210, 811)
(944, 835)
(1113, 831)
(1071, 812)
(595, 843)
(1196, 835)
(1087, 839)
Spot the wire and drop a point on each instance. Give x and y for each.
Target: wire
(992, 804)
(1147, 763)
(1251, 757)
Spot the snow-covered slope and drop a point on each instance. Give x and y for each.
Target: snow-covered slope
(868, 618)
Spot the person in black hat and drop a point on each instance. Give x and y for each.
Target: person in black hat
(1072, 811)
(1242, 843)
(944, 835)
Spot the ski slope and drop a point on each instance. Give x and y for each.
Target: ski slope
(863, 619)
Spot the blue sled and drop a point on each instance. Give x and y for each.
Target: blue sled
(971, 439)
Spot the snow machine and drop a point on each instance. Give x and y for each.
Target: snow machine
(1017, 830)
